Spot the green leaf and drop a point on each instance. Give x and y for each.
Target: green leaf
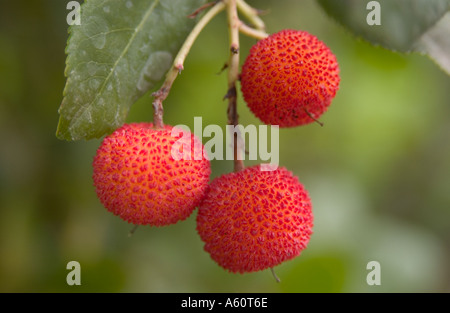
(406, 25)
(120, 51)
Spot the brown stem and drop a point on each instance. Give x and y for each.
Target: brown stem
(233, 77)
(161, 95)
(158, 112)
(233, 119)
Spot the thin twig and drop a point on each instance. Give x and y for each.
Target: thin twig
(251, 14)
(202, 8)
(252, 32)
(178, 64)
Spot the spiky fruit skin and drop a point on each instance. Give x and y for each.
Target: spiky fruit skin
(289, 78)
(253, 220)
(137, 178)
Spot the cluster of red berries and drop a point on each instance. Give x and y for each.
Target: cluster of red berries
(250, 220)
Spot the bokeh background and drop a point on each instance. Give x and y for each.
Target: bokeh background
(378, 173)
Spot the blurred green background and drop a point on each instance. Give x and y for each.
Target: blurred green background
(378, 173)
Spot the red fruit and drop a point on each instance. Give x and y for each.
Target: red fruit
(137, 178)
(289, 78)
(253, 220)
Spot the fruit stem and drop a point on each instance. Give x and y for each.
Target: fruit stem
(252, 32)
(178, 64)
(233, 77)
(251, 14)
(158, 109)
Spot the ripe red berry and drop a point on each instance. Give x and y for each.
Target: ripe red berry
(289, 78)
(253, 220)
(137, 178)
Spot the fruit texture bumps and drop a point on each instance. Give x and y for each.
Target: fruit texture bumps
(137, 178)
(254, 220)
(289, 78)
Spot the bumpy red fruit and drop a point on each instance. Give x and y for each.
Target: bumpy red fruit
(289, 79)
(137, 175)
(254, 220)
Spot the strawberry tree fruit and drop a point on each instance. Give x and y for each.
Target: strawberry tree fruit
(138, 174)
(289, 78)
(253, 220)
